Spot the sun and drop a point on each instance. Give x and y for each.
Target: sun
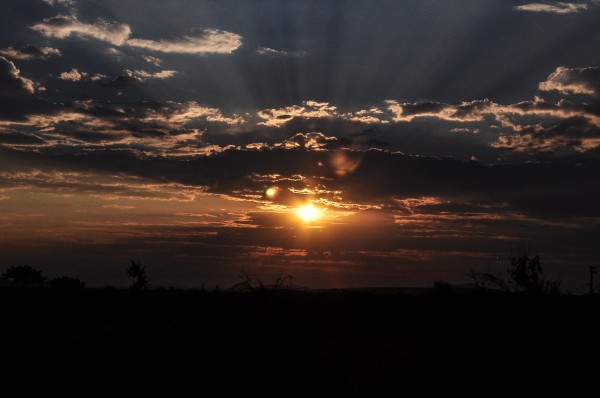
(309, 213)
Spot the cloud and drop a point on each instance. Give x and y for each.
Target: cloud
(272, 51)
(73, 75)
(29, 52)
(163, 74)
(97, 184)
(140, 76)
(66, 3)
(554, 8)
(127, 78)
(165, 128)
(312, 141)
(480, 110)
(153, 60)
(567, 136)
(367, 116)
(200, 41)
(573, 81)
(63, 26)
(535, 126)
(13, 137)
(309, 109)
(303, 173)
(12, 84)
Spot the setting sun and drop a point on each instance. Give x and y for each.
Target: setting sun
(309, 213)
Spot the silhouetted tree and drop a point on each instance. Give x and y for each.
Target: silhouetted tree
(66, 283)
(524, 275)
(442, 287)
(24, 276)
(138, 273)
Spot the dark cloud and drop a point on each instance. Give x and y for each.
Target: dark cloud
(422, 108)
(15, 137)
(566, 137)
(380, 177)
(12, 84)
(17, 98)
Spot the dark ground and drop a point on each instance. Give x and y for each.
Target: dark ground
(108, 342)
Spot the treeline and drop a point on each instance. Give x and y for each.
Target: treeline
(523, 275)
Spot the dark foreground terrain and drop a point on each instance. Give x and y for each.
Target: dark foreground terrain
(108, 342)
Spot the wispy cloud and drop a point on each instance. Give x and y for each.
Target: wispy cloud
(66, 3)
(554, 7)
(274, 52)
(199, 41)
(63, 26)
(29, 52)
(142, 75)
(479, 110)
(163, 74)
(128, 77)
(153, 60)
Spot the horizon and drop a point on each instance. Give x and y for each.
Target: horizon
(345, 143)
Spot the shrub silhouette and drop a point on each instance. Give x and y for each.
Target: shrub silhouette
(524, 275)
(24, 276)
(251, 282)
(138, 273)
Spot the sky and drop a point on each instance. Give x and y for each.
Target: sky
(345, 143)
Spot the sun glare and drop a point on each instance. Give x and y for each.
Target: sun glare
(309, 213)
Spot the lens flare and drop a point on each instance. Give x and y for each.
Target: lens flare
(345, 162)
(272, 193)
(309, 213)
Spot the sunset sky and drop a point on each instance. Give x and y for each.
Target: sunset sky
(425, 137)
